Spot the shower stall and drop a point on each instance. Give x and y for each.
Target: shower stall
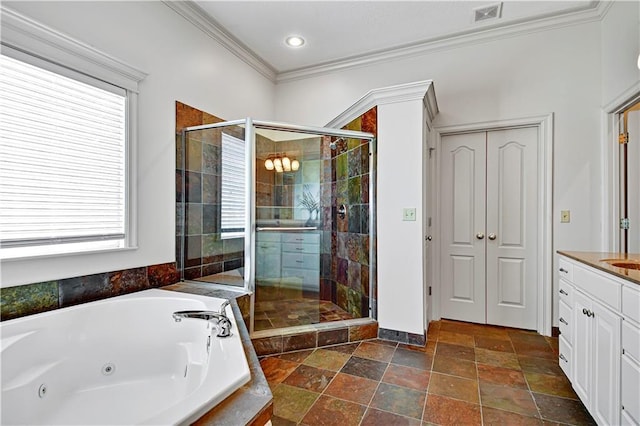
(285, 212)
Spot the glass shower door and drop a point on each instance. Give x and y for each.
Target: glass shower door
(288, 229)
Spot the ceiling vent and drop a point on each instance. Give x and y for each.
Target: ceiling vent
(487, 13)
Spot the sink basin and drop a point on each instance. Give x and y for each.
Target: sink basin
(621, 263)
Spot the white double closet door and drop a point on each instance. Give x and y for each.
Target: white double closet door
(489, 235)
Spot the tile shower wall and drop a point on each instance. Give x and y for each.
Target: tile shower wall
(205, 252)
(345, 262)
(35, 298)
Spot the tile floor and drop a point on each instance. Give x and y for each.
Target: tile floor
(468, 374)
(272, 314)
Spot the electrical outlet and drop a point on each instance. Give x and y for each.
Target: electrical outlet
(565, 216)
(409, 214)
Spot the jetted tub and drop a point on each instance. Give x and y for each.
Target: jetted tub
(123, 360)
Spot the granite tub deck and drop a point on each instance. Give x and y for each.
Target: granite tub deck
(594, 259)
(252, 404)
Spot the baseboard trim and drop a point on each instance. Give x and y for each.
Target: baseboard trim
(402, 337)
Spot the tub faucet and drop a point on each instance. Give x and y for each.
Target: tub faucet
(219, 319)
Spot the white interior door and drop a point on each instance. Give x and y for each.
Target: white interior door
(489, 227)
(512, 227)
(462, 214)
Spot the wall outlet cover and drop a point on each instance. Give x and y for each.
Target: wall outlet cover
(409, 214)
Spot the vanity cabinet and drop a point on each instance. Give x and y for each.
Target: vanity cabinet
(288, 259)
(599, 344)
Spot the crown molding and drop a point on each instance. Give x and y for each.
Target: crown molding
(593, 12)
(419, 90)
(205, 23)
(29, 36)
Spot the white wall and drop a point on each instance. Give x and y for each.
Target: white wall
(620, 49)
(400, 243)
(182, 64)
(556, 71)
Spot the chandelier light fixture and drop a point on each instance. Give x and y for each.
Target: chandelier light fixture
(281, 164)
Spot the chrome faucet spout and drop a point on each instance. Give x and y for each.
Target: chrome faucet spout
(219, 319)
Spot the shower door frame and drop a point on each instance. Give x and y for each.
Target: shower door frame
(250, 126)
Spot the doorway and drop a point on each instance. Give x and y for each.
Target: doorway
(490, 196)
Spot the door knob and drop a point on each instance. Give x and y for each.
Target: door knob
(429, 238)
(479, 235)
(492, 236)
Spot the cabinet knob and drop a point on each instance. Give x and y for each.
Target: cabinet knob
(564, 321)
(479, 235)
(562, 357)
(563, 292)
(564, 270)
(492, 236)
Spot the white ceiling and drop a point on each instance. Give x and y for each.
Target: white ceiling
(341, 30)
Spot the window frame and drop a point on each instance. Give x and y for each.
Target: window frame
(233, 232)
(34, 43)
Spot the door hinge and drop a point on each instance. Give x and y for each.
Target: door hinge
(623, 138)
(625, 223)
(429, 290)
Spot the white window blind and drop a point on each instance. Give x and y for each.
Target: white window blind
(62, 158)
(233, 187)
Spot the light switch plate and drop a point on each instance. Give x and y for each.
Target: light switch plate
(565, 216)
(409, 214)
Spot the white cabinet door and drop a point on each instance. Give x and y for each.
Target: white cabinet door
(605, 406)
(582, 339)
(630, 392)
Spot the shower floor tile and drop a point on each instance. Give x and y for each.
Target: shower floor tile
(293, 312)
(384, 383)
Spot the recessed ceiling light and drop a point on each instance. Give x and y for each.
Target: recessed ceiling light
(294, 41)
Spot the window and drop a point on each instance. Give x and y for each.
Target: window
(233, 187)
(63, 144)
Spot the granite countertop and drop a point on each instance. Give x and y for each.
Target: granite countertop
(594, 259)
(252, 404)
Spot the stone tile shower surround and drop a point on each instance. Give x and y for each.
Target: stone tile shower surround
(345, 263)
(206, 253)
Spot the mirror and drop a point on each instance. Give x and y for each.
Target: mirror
(629, 179)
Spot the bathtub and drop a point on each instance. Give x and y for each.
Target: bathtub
(123, 360)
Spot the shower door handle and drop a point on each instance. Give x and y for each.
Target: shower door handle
(342, 211)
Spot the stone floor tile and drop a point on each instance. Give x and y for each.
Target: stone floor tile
(508, 399)
(328, 360)
(550, 385)
(399, 400)
(563, 410)
(501, 376)
(375, 417)
(276, 370)
(408, 377)
(455, 351)
(352, 388)
(499, 359)
(374, 351)
(415, 359)
(500, 345)
(454, 387)
(309, 378)
(455, 367)
(290, 403)
(367, 368)
(331, 411)
(495, 417)
(456, 338)
(447, 411)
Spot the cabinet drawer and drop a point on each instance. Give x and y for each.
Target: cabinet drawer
(630, 391)
(631, 303)
(566, 291)
(631, 340)
(599, 286)
(310, 280)
(565, 321)
(301, 261)
(268, 236)
(565, 269)
(565, 357)
(301, 248)
(265, 248)
(301, 237)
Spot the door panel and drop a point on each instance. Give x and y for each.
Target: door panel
(512, 197)
(462, 210)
